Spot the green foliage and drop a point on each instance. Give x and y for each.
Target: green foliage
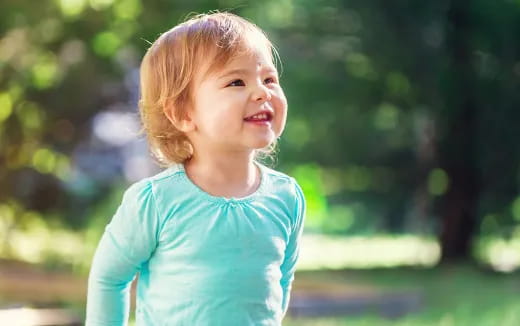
(375, 91)
(308, 176)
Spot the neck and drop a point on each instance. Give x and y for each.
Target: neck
(229, 174)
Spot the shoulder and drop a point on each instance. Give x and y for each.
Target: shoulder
(285, 186)
(149, 188)
(281, 179)
(276, 177)
(152, 183)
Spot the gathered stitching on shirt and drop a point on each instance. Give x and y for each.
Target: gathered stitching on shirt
(216, 199)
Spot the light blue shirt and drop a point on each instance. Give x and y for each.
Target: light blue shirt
(202, 260)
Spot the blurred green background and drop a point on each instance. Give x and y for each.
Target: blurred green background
(403, 132)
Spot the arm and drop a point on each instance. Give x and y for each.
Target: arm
(129, 240)
(292, 249)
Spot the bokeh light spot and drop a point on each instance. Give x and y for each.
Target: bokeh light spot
(437, 182)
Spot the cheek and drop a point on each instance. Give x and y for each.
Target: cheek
(211, 112)
(280, 107)
(279, 101)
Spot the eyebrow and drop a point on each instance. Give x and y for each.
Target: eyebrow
(244, 72)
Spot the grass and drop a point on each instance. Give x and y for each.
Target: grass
(453, 295)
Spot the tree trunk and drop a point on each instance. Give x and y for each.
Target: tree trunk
(457, 146)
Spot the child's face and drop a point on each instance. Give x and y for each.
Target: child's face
(225, 100)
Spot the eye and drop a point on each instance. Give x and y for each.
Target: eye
(270, 80)
(237, 82)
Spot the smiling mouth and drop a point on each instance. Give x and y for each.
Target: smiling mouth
(264, 116)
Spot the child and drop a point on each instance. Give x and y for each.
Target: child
(215, 236)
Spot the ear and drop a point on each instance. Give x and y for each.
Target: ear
(185, 124)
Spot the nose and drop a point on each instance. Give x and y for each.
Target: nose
(261, 93)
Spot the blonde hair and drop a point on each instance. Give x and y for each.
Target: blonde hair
(168, 69)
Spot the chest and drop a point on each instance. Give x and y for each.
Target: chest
(226, 234)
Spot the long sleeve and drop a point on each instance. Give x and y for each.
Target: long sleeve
(127, 242)
(293, 247)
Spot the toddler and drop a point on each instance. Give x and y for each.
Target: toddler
(215, 236)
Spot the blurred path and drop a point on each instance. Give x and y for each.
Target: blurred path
(320, 293)
(26, 283)
(330, 293)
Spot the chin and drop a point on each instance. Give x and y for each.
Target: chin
(262, 143)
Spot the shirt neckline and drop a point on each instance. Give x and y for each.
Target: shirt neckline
(221, 199)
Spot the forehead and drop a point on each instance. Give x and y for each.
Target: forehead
(247, 57)
(255, 59)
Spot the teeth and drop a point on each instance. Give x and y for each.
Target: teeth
(261, 116)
